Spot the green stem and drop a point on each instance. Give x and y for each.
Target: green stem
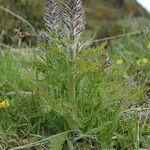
(72, 80)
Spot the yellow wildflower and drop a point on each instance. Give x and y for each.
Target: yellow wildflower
(142, 62)
(145, 60)
(119, 61)
(4, 104)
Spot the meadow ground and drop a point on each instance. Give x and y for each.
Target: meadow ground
(112, 104)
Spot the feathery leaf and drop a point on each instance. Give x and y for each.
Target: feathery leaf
(73, 19)
(52, 15)
(42, 37)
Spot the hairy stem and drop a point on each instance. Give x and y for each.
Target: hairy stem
(72, 80)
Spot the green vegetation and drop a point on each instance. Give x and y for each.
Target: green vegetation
(64, 94)
(106, 98)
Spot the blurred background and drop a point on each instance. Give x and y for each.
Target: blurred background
(104, 17)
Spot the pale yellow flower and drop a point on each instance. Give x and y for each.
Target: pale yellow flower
(145, 60)
(142, 62)
(148, 45)
(4, 104)
(119, 61)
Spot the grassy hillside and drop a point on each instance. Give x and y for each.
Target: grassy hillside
(103, 16)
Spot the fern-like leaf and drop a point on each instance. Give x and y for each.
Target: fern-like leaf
(52, 15)
(57, 143)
